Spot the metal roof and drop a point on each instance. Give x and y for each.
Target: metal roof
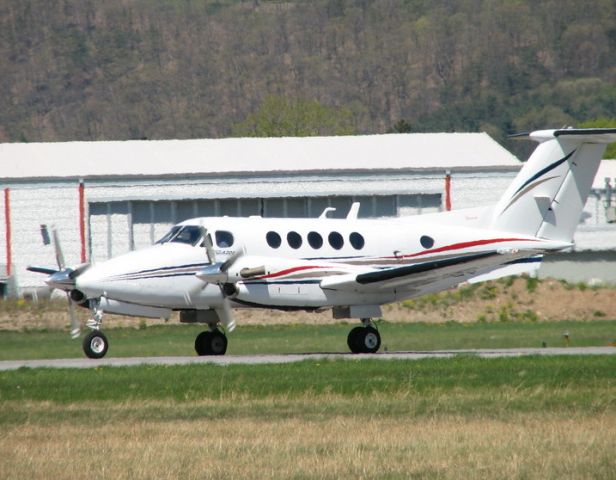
(153, 158)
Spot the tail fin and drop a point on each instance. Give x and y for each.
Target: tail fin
(547, 196)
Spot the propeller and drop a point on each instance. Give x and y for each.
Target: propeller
(63, 278)
(218, 273)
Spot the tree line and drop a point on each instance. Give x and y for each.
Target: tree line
(129, 69)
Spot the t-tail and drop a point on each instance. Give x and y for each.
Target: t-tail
(547, 197)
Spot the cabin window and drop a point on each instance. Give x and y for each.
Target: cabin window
(357, 240)
(426, 241)
(273, 239)
(294, 240)
(336, 240)
(224, 239)
(315, 240)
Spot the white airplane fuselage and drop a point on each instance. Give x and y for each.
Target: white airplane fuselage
(164, 275)
(205, 267)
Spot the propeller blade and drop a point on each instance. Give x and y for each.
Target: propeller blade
(45, 270)
(75, 325)
(226, 315)
(226, 265)
(58, 249)
(209, 248)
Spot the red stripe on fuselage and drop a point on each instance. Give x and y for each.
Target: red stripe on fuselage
(458, 246)
(291, 270)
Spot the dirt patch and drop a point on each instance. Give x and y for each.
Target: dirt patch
(510, 299)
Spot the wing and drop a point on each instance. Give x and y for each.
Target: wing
(451, 270)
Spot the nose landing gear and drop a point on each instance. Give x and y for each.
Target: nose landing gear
(95, 343)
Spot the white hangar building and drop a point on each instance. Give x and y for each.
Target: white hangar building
(106, 198)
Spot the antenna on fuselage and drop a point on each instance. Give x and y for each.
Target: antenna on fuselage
(353, 211)
(326, 211)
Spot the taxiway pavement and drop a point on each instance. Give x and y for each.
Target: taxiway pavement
(290, 358)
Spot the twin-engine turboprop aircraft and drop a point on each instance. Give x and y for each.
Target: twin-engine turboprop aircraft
(205, 267)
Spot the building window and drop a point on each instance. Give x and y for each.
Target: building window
(357, 240)
(335, 240)
(224, 239)
(273, 239)
(294, 240)
(315, 240)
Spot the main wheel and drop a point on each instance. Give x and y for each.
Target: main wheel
(95, 344)
(211, 343)
(218, 343)
(354, 340)
(364, 340)
(371, 340)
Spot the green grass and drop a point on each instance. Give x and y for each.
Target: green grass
(178, 339)
(460, 386)
(466, 417)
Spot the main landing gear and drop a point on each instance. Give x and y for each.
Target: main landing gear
(364, 339)
(211, 342)
(95, 343)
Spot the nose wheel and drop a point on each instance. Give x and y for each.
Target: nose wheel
(95, 344)
(212, 342)
(365, 339)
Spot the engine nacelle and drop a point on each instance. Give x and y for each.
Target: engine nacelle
(77, 296)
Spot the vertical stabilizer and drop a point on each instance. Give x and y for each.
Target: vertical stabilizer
(547, 197)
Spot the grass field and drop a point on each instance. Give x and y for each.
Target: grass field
(450, 418)
(532, 417)
(254, 339)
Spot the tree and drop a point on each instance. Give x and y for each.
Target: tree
(283, 117)
(402, 126)
(610, 152)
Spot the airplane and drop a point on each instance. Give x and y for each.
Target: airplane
(206, 267)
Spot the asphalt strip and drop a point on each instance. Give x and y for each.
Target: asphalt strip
(290, 358)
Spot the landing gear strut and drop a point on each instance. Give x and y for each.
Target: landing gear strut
(212, 342)
(95, 344)
(364, 339)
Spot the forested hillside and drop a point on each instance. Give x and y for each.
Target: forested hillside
(121, 69)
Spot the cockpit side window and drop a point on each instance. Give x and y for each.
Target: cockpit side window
(224, 239)
(169, 235)
(188, 234)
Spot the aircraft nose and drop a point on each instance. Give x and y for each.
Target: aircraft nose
(91, 283)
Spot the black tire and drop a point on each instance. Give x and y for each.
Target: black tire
(95, 344)
(218, 343)
(354, 340)
(211, 343)
(201, 343)
(364, 340)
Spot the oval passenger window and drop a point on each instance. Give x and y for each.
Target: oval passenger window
(357, 240)
(315, 240)
(335, 240)
(426, 241)
(273, 239)
(294, 240)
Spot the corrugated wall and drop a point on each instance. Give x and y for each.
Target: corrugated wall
(58, 204)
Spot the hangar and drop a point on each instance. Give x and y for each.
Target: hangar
(109, 197)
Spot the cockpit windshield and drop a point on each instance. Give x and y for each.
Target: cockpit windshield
(188, 234)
